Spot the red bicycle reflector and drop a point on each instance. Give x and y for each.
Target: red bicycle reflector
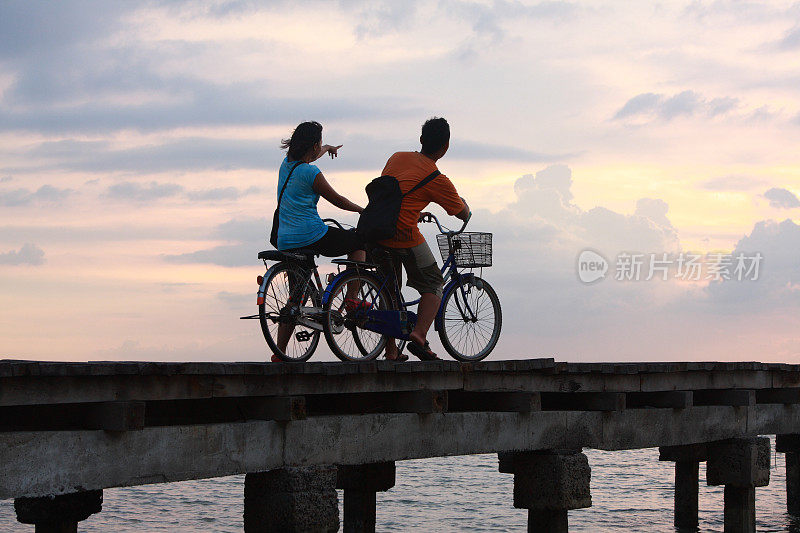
(260, 300)
(260, 279)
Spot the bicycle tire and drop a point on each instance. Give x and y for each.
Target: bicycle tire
(363, 345)
(277, 293)
(457, 330)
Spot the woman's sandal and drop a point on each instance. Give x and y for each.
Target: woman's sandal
(423, 353)
(400, 358)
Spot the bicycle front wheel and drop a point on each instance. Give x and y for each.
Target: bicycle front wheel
(344, 322)
(289, 292)
(470, 320)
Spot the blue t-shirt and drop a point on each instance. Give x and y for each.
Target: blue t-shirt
(299, 222)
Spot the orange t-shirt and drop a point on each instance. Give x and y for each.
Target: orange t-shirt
(410, 168)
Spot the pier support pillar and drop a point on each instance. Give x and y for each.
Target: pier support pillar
(741, 465)
(58, 514)
(549, 483)
(360, 484)
(687, 461)
(291, 499)
(790, 445)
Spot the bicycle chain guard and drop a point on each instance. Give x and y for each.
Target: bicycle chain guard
(393, 323)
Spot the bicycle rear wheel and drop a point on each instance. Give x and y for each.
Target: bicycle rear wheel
(288, 289)
(343, 327)
(470, 320)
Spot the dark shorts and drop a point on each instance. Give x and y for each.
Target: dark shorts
(337, 242)
(420, 265)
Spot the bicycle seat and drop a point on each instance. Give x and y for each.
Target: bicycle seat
(301, 254)
(349, 262)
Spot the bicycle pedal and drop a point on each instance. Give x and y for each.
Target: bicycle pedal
(303, 336)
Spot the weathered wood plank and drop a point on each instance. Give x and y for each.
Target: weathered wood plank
(665, 399)
(583, 401)
(731, 397)
(781, 395)
(508, 402)
(109, 416)
(419, 401)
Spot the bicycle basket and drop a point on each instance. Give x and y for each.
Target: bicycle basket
(469, 249)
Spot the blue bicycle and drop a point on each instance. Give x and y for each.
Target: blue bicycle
(469, 319)
(362, 306)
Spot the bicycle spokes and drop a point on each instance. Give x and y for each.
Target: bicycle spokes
(284, 313)
(471, 320)
(350, 303)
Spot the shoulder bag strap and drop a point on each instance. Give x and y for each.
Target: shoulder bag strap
(285, 183)
(424, 181)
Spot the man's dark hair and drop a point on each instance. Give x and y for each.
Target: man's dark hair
(303, 138)
(435, 135)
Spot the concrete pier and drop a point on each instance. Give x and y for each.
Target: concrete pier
(790, 446)
(549, 483)
(687, 461)
(360, 484)
(58, 514)
(741, 465)
(80, 427)
(291, 500)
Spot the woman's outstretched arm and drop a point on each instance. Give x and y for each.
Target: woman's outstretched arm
(327, 149)
(324, 189)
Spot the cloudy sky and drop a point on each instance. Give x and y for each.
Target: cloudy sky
(139, 152)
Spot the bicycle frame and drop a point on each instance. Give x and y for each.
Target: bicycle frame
(453, 278)
(312, 282)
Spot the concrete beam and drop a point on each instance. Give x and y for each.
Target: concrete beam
(42, 463)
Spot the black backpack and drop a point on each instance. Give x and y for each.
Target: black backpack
(378, 221)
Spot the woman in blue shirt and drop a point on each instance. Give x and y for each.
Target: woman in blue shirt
(299, 223)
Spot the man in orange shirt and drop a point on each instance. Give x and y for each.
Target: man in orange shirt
(408, 245)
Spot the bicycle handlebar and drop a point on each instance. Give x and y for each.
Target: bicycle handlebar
(430, 217)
